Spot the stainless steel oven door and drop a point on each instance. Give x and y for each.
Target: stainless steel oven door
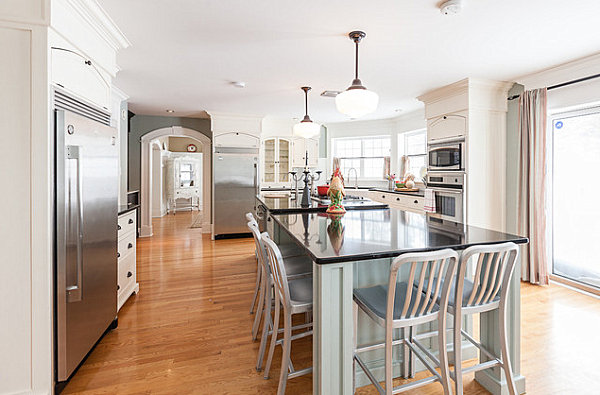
(449, 204)
(446, 157)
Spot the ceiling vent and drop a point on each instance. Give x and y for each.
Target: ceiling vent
(330, 93)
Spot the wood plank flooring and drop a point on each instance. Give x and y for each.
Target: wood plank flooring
(188, 330)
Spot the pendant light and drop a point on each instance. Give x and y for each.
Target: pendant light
(306, 128)
(356, 101)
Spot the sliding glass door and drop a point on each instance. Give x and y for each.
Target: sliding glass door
(576, 196)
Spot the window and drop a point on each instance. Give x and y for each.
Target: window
(370, 156)
(575, 213)
(414, 146)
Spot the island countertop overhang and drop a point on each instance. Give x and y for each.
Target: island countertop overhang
(408, 232)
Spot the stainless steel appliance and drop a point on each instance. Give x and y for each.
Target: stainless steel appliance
(449, 195)
(446, 155)
(86, 191)
(235, 186)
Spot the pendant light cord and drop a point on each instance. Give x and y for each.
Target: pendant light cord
(305, 103)
(356, 61)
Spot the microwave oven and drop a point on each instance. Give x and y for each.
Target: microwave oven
(449, 155)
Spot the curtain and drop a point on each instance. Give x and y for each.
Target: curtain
(404, 165)
(532, 202)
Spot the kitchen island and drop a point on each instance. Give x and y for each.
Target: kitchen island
(355, 251)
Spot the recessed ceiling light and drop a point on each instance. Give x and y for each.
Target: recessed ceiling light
(170, 111)
(398, 110)
(239, 84)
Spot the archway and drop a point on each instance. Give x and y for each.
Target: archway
(146, 175)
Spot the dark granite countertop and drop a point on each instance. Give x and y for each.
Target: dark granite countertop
(279, 205)
(383, 233)
(420, 192)
(125, 208)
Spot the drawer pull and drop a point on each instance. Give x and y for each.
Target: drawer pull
(130, 221)
(118, 287)
(383, 196)
(398, 199)
(416, 201)
(118, 254)
(129, 274)
(129, 245)
(118, 227)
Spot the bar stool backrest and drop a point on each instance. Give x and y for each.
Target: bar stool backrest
(495, 264)
(260, 249)
(277, 267)
(250, 218)
(431, 280)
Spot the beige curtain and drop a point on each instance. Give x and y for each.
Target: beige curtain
(404, 165)
(531, 207)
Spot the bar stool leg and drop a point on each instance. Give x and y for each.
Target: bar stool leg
(443, 353)
(355, 343)
(411, 358)
(458, 351)
(506, 365)
(266, 325)
(273, 337)
(260, 309)
(256, 287)
(405, 354)
(285, 356)
(389, 362)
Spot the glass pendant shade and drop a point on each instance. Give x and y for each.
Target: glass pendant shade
(356, 102)
(307, 129)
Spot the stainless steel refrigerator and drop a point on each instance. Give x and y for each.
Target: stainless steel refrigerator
(235, 185)
(86, 191)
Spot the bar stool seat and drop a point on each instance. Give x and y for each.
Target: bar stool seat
(301, 293)
(374, 299)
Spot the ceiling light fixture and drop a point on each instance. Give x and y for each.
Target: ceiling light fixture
(306, 128)
(170, 111)
(239, 84)
(357, 100)
(451, 7)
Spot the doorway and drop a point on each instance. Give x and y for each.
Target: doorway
(175, 176)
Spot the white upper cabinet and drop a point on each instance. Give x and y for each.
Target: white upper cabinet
(446, 126)
(301, 147)
(276, 163)
(236, 139)
(80, 76)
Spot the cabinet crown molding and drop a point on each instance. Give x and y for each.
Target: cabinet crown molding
(102, 23)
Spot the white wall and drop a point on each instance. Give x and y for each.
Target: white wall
(157, 182)
(383, 127)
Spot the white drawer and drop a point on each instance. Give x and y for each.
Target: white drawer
(126, 223)
(383, 197)
(126, 246)
(126, 274)
(411, 203)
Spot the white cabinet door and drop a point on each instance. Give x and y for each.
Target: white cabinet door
(446, 126)
(80, 76)
(277, 161)
(301, 147)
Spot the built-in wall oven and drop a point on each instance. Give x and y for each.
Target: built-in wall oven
(446, 155)
(448, 188)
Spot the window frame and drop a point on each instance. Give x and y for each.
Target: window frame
(362, 139)
(403, 141)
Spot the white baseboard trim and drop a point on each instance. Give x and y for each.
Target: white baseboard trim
(146, 231)
(498, 387)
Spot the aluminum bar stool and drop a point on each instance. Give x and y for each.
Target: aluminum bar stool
(294, 297)
(486, 291)
(286, 250)
(297, 267)
(408, 303)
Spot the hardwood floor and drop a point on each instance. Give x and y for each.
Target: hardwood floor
(188, 330)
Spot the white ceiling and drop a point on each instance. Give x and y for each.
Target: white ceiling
(185, 53)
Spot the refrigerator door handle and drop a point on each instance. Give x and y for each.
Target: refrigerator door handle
(256, 178)
(75, 292)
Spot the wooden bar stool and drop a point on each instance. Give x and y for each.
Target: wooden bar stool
(295, 297)
(408, 303)
(486, 291)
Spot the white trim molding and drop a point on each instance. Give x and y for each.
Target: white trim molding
(146, 175)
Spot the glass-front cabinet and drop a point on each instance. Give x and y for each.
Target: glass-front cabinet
(276, 166)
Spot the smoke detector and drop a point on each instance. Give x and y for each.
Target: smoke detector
(238, 84)
(451, 7)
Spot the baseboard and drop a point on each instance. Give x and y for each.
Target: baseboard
(146, 231)
(498, 387)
